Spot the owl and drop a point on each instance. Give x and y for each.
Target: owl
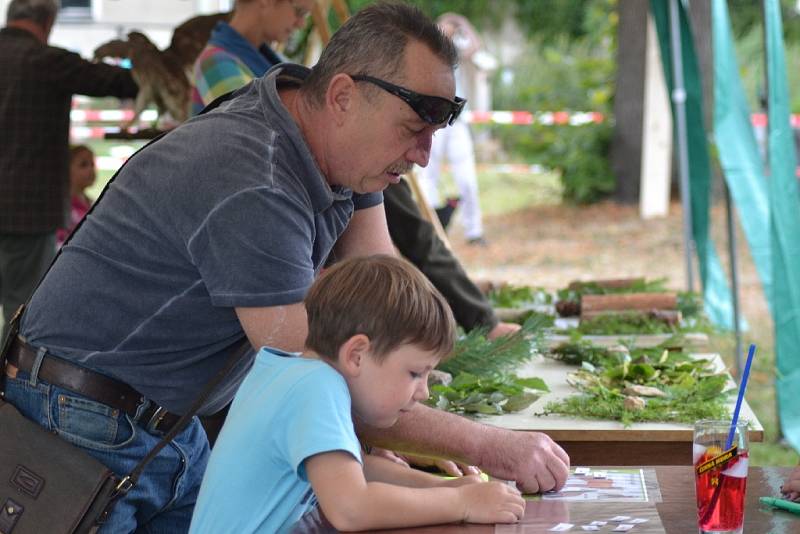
(164, 76)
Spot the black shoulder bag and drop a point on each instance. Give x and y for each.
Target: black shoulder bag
(48, 485)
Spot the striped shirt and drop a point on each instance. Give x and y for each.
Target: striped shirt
(217, 72)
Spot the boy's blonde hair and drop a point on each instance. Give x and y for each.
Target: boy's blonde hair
(385, 298)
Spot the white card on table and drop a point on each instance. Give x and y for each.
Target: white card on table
(562, 527)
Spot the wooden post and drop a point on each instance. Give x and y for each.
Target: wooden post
(425, 208)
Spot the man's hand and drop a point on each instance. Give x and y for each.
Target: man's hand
(791, 488)
(503, 329)
(533, 460)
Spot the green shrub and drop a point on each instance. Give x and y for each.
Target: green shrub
(562, 75)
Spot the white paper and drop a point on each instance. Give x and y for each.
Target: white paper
(623, 528)
(583, 470)
(562, 527)
(599, 523)
(637, 521)
(600, 474)
(620, 518)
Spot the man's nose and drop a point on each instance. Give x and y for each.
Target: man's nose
(420, 153)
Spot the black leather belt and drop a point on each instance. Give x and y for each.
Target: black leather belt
(96, 386)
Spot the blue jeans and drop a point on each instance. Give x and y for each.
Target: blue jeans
(164, 497)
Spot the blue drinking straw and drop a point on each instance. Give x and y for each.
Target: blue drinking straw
(742, 387)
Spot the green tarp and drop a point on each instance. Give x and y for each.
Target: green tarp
(785, 229)
(716, 293)
(739, 157)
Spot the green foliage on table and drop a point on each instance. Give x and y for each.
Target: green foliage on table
(658, 285)
(691, 388)
(548, 320)
(625, 324)
(510, 296)
(474, 353)
(470, 394)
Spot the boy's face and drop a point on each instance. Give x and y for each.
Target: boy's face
(383, 391)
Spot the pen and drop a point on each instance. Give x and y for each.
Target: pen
(783, 504)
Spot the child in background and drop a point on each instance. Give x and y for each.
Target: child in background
(289, 444)
(81, 177)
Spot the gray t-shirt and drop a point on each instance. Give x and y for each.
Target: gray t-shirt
(228, 210)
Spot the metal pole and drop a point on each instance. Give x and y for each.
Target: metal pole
(734, 279)
(679, 101)
(768, 173)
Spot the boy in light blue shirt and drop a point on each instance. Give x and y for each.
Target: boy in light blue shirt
(289, 443)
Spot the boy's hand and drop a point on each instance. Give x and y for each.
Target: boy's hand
(461, 481)
(791, 488)
(492, 502)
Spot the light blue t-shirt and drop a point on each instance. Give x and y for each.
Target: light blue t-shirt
(287, 409)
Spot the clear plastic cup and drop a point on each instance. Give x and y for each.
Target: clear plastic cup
(720, 475)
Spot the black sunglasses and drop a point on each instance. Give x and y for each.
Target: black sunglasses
(431, 109)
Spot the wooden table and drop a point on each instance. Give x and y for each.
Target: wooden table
(676, 513)
(597, 442)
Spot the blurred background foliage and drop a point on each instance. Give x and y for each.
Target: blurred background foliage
(567, 62)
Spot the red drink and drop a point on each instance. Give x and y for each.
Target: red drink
(720, 494)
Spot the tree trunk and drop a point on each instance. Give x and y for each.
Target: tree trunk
(626, 147)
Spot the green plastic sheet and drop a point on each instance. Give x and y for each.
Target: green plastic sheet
(741, 161)
(785, 228)
(716, 293)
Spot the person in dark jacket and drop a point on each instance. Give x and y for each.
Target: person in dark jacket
(37, 82)
(416, 239)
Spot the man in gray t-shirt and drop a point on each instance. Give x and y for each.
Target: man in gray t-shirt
(215, 232)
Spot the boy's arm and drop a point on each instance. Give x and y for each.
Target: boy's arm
(379, 469)
(351, 503)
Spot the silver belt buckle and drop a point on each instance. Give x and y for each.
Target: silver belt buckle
(158, 415)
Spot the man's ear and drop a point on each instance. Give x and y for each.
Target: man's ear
(352, 355)
(340, 97)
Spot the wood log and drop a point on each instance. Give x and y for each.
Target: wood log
(629, 301)
(611, 283)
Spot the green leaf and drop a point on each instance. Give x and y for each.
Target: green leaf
(520, 402)
(532, 383)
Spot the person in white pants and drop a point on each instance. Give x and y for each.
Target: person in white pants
(455, 143)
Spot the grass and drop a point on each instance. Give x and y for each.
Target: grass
(502, 192)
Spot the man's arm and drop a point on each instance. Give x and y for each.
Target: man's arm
(365, 235)
(281, 327)
(351, 503)
(73, 74)
(531, 459)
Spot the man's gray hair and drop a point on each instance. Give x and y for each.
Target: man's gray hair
(373, 42)
(39, 11)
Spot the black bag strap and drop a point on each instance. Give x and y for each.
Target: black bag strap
(238, 350)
